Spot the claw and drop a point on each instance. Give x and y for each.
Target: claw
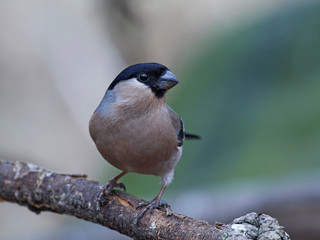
(155, 203)
(111, 185)
(121, 185)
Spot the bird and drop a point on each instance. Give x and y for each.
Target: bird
(135, 130)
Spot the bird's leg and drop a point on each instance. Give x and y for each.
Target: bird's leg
(155, 203)
(112, 183)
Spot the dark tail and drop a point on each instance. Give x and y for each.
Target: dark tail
(191, 136)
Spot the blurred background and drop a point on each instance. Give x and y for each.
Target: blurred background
(249, 85)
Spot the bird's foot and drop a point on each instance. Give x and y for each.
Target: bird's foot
(155, 203)
(110, 186)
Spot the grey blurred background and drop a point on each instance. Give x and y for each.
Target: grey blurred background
(249, 85)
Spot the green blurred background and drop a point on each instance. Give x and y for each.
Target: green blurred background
(254, 95)
(249, 86)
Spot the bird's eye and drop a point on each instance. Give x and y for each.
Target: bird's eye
(143, 77)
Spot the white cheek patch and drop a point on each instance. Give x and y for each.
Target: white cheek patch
(131, 89)
(128, 91)
(134, 83)
(130, 85)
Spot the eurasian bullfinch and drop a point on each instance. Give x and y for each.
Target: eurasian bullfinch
(135, 130)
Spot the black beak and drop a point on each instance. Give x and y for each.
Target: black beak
(167, 81)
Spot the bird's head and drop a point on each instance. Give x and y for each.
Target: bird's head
(153, 76)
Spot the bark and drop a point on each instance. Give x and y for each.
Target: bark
(43, 190)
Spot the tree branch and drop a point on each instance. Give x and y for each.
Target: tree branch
(42, 190)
